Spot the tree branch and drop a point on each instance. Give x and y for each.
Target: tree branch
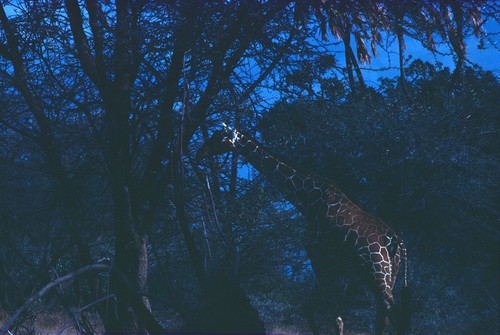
(149, 186)
(82, 44)
(224, 66)
(46, 288)
(18, 130)
(4, 51)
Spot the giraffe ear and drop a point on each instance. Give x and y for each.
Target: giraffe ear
(226, 127)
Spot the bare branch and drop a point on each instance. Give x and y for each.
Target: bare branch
(46, 288)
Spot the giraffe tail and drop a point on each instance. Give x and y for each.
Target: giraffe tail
(404, 309)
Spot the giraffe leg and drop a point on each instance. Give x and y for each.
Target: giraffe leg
(394, 317)
(382, 319)
(387, 314)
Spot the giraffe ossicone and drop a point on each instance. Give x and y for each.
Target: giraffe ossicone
(328, 210)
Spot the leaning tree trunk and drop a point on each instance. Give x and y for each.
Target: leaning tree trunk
(352, 64)
(348, 60)
(359, 74)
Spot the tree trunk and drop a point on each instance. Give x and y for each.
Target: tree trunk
(182, 218)
(401, 49)
(130, 244)
(399, 23)
(348, 60)
(224, 308)
(359, 74)
(459, 45)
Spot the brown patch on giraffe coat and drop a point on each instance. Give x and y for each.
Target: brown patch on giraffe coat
(289, 183)
(301, 194)
(269, 163)
(298, 182)
(287, 171)
(376, 257)
(308, 184)
(314, 195)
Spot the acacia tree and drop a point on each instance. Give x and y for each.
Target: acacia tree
(116, 92)
(140, 132)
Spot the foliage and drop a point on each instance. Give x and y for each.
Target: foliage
(428, 166)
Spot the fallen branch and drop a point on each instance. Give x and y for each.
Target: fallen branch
(46, 288)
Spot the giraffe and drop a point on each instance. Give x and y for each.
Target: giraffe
(378, 248)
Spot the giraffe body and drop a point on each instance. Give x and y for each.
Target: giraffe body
(329, 211)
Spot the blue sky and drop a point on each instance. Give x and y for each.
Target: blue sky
(488, 59)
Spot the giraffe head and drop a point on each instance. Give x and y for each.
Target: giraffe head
(221, 141)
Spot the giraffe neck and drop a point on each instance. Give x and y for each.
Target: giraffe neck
(303, 191)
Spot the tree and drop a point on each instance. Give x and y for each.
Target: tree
(453, 21)
(109, 52)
